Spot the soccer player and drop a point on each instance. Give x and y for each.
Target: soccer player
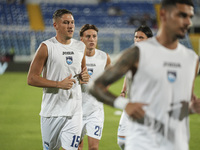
(93, 111)
(161, 95)
(142, 33)
(61, 61)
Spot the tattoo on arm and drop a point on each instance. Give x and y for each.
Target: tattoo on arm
(128, 61)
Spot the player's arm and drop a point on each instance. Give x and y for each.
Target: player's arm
(35, 70)
(84, 76)
(108, 63)
(83, 65)
(195, 101)
(123, 92)
(128, 61)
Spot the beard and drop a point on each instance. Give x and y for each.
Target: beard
(182, 36)
(178, 36)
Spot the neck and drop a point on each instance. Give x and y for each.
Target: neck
(63, 40)
(90, 52)
(167, 39)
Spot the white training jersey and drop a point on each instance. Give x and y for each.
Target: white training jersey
(164, 82)
(95, 66)
(124, 120)
(62, 61)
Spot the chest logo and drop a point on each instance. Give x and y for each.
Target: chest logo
(171, 75)
(69, 60)
(90, 71)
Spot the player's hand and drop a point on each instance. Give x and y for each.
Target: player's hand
(84, 76)
(135, 110)
(195, 104)
(123, 94)
(67, 83)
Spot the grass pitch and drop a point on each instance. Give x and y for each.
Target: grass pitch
(20, 121)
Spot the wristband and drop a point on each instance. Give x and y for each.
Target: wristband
(120, 102)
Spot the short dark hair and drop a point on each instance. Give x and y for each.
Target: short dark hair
(166, 3)
(87, 27)
(58, 13)
(146, 30)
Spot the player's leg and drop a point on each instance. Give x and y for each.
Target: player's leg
(80, 147)
(83, 133)
(93, 144)
(121, 142)
(94, 129)
(122, 129)
(51, 129)
(70, 136)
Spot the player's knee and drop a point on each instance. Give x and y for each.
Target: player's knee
(80, 147)
(121, 143)
(94, 147)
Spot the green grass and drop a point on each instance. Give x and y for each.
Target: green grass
(20, 121)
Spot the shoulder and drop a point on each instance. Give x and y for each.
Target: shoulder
(188, 52)
(78, 43)
(101, 53)
(147, 43)
(50, 41)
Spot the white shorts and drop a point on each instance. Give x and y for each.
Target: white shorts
(123, 124)
(61, 132)
(93, 125)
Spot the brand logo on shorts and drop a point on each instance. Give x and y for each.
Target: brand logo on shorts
(46, 145)
(171, 75)
(69, 60)
(90, 71)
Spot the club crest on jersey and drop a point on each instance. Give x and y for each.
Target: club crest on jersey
(171, 75)
(69, 60)
(90, 71)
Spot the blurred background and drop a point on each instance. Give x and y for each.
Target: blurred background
(24, 24)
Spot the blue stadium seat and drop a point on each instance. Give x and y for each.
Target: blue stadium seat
(132, 14)
(98, 14)
(13, 14)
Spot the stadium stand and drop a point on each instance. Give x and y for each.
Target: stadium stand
(13, 14)
(116, 20)
(101, 16)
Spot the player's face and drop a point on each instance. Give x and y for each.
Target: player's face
(140, 36)
(65, 26)
(90, 39)
(178, 20)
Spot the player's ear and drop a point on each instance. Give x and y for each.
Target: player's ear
(81, 38)
(163, 14)
(55, 25)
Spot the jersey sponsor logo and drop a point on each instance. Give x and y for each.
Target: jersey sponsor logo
(171, 75)
(46, 145)
(69, 60)
(171, 64)
(90, 65)
(68, 53)
(90, 71)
